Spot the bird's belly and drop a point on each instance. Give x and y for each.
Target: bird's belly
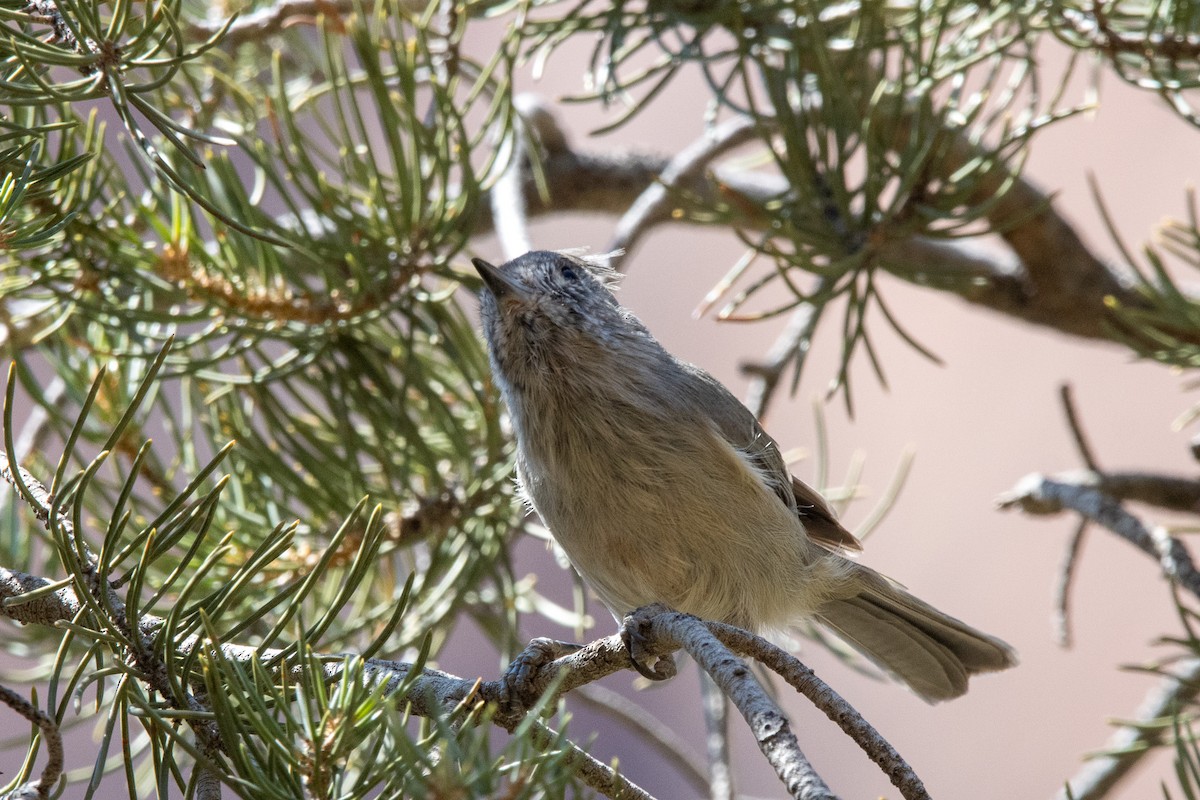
(712, 541)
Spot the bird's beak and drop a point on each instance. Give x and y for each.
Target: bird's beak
(497, 282)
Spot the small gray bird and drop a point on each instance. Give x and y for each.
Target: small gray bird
(661, 487)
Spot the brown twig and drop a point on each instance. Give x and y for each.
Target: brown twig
(791, 347)
(654, 205)
(1066, 575)
(1081, 442)
(1062, 587)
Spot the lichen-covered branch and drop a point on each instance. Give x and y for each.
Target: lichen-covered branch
(1043, 495)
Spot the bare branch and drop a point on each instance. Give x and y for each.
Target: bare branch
(1081, 441)
(51, 735)
(601, 777)
(1062, 616)
(767, 722)
(1038, 494)
(1169, 492)
(821, 695)
(1062, 589)
(791, 347)
(654, 204)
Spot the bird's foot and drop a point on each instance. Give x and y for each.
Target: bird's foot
(634, 634)
(518, 688)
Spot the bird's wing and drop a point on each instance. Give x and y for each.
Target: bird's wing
(822, 526)
(742, 430)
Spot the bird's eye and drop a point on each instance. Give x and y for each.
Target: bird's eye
(569, 273)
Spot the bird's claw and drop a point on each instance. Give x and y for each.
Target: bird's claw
(518, 689)
(633, 636)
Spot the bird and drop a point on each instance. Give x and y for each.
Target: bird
(660, 486)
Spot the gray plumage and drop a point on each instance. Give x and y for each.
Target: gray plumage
(660, 486)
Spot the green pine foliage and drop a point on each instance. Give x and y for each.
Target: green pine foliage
(233, 292)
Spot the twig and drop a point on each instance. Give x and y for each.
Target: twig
(601, 777)
(654, 203)
(1062, 587)
(716, 740)
(506, 196)
(54, 747)
(791, 347)
(1066, 575)
(1081, 442)
(665, 741)
(1038, 494)
(1129, 743)
(770, 727)
(1164, 491)
(821, 695)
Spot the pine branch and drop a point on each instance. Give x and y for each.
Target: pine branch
(1097, 497)
(36, 600)
(1051, 279)
(1131, 742)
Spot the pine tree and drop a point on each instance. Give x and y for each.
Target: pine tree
(259, 468)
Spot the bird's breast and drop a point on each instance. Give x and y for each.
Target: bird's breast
(660, 508)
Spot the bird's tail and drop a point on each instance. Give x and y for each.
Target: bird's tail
(930, 651)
